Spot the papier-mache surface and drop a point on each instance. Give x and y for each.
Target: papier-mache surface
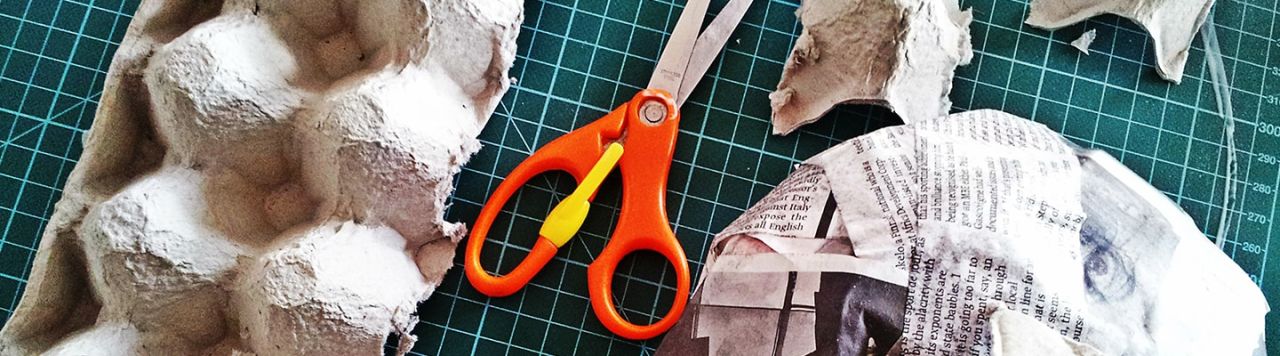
(951, 236)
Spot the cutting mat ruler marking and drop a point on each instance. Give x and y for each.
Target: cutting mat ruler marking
(579, 58)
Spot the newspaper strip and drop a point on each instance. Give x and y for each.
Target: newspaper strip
(951, 236)
(999, 219)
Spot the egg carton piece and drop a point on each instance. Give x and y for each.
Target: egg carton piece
(900, 54)
(267, 177)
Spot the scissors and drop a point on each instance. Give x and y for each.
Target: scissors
(639, 138)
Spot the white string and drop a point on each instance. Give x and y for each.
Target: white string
(1222, 89)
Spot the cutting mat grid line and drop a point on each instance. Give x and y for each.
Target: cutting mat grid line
(41, 132)
(577, 59)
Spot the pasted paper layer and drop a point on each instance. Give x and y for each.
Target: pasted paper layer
(974, 233)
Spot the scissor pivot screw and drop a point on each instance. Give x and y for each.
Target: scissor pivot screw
(653, 111)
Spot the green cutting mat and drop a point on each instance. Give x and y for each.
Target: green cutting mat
(577, 59)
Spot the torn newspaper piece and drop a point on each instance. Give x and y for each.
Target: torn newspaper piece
(1171, 23)
(901, 54)
(956, 235)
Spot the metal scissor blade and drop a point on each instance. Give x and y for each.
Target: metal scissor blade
(709, 45)
(675, 58)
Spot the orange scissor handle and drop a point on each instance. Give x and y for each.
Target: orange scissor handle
(642, 223)
(600, 279)
(567, 153)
